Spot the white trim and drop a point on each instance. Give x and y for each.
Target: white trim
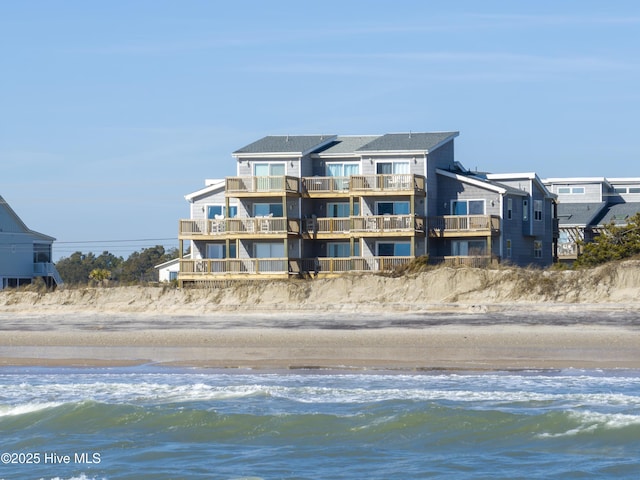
(204, 191)
(471, 181)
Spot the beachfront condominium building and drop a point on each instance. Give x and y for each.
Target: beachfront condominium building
(329, 204)
(24, 253)
(587, 204)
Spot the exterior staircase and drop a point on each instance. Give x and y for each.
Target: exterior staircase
(47, 269)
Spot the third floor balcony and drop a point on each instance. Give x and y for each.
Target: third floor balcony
(393, 184)
(386, 184)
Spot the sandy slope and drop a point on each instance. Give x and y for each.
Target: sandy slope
(444, 289)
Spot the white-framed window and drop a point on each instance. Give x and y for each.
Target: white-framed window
(269, 169)
(221, 210)
(392, 208)
(537, 249)
(571, 190)
(268, 209)
(464, 248)
(508, 248)
(509, 208)
(537, 209)
(391, 167)
(467, 207)
(393, 249)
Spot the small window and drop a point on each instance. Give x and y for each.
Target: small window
(525, 210)
(467, 207)
(213, 210)
(508, 248)
(634, 190)
(537, 209)
(564, 190)
(577, 190)
(620, 189)
(537, 249)
(509, 208)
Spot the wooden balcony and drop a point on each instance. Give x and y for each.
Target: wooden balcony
(194, 270)
(569, 251)
(475, 261)
(373, 225)
(261, 186)
(190, 269)
(352, 264)
(392, 184)
(463, 225)
(234, 227)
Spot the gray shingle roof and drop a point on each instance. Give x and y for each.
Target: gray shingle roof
(291, 144)
(618, 213)
(393, 142)
(579, 214)
(347, 144)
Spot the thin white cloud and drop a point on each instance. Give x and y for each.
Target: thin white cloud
(540, 20)
(450, 65)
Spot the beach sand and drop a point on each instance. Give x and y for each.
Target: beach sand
(466, 319)
(448, 347)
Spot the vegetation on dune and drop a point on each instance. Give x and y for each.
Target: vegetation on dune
(614, 243)
(82, 268)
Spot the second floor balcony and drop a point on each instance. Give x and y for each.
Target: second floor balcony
(371, 224)
(460, 225)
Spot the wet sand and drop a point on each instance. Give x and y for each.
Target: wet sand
(264, 344)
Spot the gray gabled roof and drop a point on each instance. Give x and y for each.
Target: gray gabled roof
(619, 213)
(398, 142)
(481, 182)
(579, 214)
(22, 228)
(285, 144)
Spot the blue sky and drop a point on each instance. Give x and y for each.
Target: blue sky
(112, 111)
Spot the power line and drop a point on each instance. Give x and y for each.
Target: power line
(82, 242)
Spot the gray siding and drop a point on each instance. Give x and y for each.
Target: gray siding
(440, 158)
(199, 205)
(16, 255)
(593, 193)
(451, 189)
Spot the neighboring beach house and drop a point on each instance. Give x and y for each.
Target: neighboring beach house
(328, 204)
(24, 253)
(507, 217)
(587, 204)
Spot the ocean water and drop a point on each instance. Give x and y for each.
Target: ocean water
(151, 422)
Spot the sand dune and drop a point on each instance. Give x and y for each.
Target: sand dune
(615, 286)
